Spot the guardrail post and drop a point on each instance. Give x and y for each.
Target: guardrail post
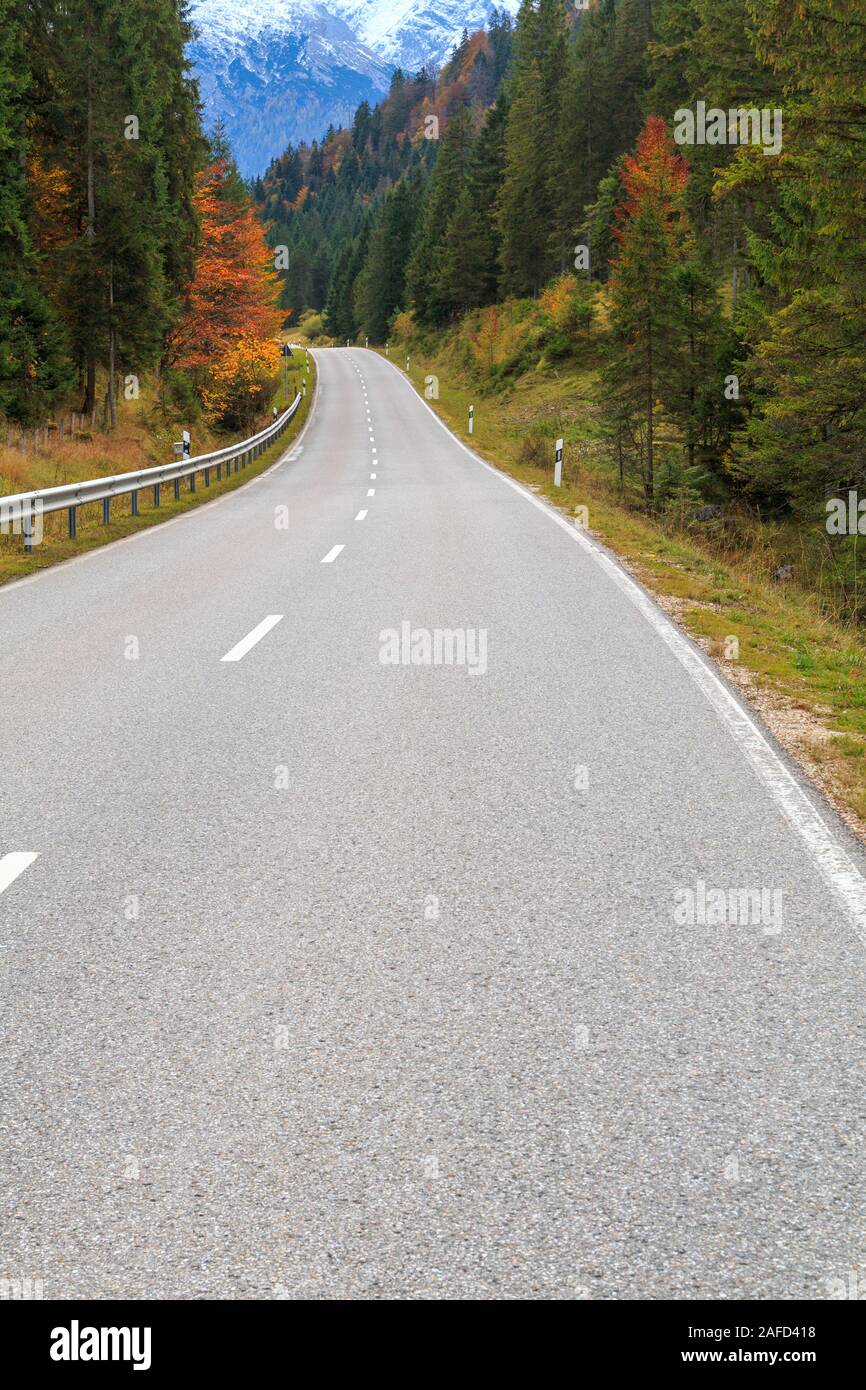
(72, 519)
(219, 472)
(176, 488)
(192, 481)
(156, 494)
(106, 510)
(207, 477)
(27, 529)
(134, 501)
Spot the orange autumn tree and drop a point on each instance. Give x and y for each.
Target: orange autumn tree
(226, 333)
(241, 381)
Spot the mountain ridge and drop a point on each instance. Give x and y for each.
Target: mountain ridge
(284, 72)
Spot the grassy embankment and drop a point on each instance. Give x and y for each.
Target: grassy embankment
(800, 664)
(142, 440)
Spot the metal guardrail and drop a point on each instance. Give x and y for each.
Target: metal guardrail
(21, 510)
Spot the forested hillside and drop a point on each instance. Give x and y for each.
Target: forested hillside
(130, 256)
(322, 201)
(713, 276)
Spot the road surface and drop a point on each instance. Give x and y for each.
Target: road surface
(338, 975)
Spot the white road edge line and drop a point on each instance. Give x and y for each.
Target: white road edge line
(371, 492)
(360, 516)
(11, 865)
(332, 554)
(836, 865)
(258, 632)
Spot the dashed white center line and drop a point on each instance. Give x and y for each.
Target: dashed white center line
(332, 554)
(371, 492)
(360, 516)
(373, 476)
(11, 865)
(264, 627)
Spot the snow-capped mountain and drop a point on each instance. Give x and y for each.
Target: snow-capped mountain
(283, 70)
(409, 33)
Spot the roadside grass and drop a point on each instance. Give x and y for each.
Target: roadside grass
(104, 455)
(804, 669)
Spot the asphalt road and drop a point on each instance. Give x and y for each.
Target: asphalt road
(338, 978)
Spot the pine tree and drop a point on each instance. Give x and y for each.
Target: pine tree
(443, 192)
(533, 234)
(806, 439)
(383, 280)
(647, 330)
(118, 114)
(693, 393)
(464, 267)
(34, 366)
(588, 135)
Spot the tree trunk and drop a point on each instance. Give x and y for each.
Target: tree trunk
(649, 476)
(89, 402)
(690, 430)
(112, 341)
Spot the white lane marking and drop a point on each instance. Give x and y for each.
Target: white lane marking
(360, 516)
(11, 865)
(332, 554)
(371, 492)
(373, 476)
(258, 632)
(836, 865)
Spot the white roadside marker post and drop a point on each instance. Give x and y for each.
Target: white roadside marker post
(557, 469)
(286, 352)
(472, 419)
